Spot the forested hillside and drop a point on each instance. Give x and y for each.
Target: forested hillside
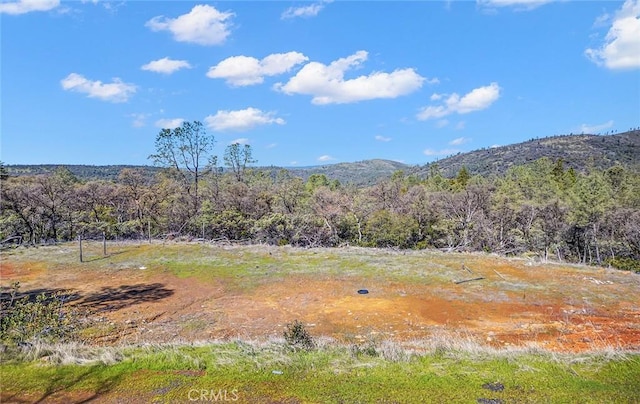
(580, 152)
(541, 208)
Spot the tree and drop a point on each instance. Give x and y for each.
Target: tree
(237, 159)
(186, 149)
(462, 179)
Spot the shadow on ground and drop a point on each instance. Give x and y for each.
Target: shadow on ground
(111, 299)
(60, 384)
(106, 299)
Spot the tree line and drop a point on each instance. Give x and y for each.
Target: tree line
(540, 208)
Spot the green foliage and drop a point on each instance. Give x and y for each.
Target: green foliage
(45, 317)
(298, 337)
(275, 228)
(625, 263)
(230, 224)
(388, 229)
(238, 158)
(462, 179)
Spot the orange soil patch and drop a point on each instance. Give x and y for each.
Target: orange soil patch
(145, 306)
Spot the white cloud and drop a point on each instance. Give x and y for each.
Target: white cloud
(443, 152)
(242, 141)
(271, 145)
(117, 91)
(27, 6)
(305, 11)
(459, 141)
(325, 158)
(621, 48)
(246, 70)
(169, 123)
(442, 123)
(380, 138)
(327, 85)
(203, 25)
(517, 4)
(241, 120)
(591, 129)
(166, 65)
(139, 120)
(475, 100)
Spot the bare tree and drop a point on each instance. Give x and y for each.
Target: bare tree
(237, 159)
(186, 150)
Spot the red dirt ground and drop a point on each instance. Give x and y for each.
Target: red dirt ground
(189, 309)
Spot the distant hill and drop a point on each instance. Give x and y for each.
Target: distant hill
(359, 173)
(577, 151)
(82, 172)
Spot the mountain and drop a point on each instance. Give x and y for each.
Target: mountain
(577, 151)
(360, 173)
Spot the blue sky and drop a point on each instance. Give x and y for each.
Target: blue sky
(308, 83)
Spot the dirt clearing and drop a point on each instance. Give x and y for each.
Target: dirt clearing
(198, 292)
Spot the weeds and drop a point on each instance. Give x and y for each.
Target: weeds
(298, 337)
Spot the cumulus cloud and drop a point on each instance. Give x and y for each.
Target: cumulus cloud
(381, 138)
(246, 70)
(621, 47)
(166, 65)
(325, 158)
(117, 91)
(517, 4)
(27, 6)
(327, 85)
(459, 141)
(241, 120)
(305, 11)
(169, 123)
(476, 100)
(443, 152)
(585, 128)
(203, 25)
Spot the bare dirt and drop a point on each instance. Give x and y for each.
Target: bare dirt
(559, 308)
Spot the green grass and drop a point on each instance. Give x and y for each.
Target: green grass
(332, 374)
(448, 372)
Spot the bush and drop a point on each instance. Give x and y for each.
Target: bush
(44, 317)
(297, 336)
(626, 264)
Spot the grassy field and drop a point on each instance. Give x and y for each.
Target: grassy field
(271, 373)
(189, 322)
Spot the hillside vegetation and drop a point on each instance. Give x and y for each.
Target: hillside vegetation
(579, 152)
(544, 207)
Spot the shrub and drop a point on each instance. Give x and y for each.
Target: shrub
(297, 336)
(44, 317)
(626, 264)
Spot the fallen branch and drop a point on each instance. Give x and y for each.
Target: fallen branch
(498, 273)
(466, 268)
(468, 280)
